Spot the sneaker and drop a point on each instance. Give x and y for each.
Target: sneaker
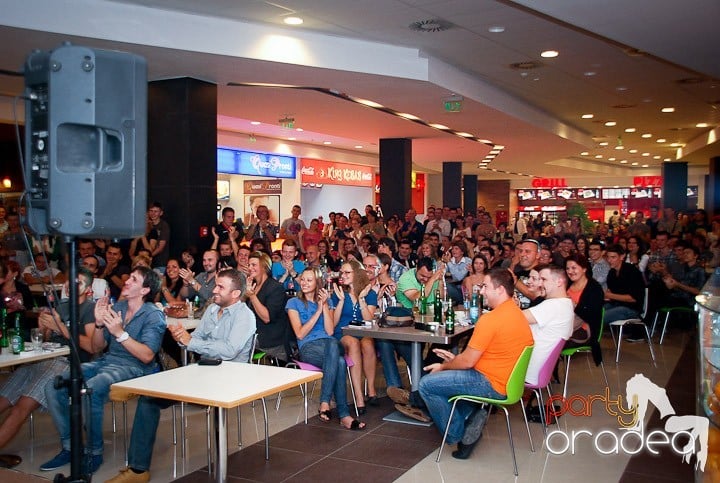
(92, 463)
(399, 395)
(61, 459)
(474, 426)
(129, 476)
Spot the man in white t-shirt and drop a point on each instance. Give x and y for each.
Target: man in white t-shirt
(551, 320)
(44, 273)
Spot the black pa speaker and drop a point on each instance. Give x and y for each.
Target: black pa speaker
(86, 142)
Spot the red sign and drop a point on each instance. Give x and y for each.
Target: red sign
(328, 172)
(549, 183)
(648, 181)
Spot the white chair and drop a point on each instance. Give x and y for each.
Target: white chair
(622, 323)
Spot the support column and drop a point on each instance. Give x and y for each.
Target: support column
(182, 156)
(395, 176)
(452, 181)
(675, 179)
(712, 188)
(470, 189)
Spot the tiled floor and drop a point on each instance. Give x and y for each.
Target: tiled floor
(387, 451)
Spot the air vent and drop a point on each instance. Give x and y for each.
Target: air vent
(431, 25)
(525, 65)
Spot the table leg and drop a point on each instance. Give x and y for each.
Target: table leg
(267, 434)
(221, 445)
(305, 400)
(416, 365)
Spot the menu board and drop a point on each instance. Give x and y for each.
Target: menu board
(639, 193)
(588, 193)
(527, 195)
(546, 194)
(566, 194)
(615, 193)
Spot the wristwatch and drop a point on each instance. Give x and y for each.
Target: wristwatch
(123, 337)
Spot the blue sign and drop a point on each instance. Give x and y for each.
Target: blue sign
(232, 161)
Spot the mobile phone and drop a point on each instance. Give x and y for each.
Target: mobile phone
(207, 361)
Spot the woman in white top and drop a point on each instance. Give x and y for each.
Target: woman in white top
(637, 253)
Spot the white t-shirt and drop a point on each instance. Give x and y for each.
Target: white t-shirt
(48, 272)
(554, 322)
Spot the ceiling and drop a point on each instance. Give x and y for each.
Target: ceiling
(623, 62)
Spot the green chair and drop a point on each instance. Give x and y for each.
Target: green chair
(514, 390)
(585, 349)
(667, 311)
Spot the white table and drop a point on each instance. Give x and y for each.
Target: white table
(222, 387)
(8, 359)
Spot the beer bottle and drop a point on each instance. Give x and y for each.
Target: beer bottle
(450, 319)
(474, 309)
(437, 307)
(18, 341)
(423, 301)
(4, 341)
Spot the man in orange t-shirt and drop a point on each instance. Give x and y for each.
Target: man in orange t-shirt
(482, 369)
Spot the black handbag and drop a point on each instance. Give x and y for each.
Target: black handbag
(396, 317)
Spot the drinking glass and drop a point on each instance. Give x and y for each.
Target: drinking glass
(36, 337)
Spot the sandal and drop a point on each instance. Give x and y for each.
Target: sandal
(324, 416)
(355, 425)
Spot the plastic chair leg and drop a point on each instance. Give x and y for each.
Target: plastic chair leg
(447, 428)
(662, 336)
(352, 391)
(619, 343)
(650, 346)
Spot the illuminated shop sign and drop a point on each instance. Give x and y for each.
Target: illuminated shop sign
(328, 172)
(232, 161)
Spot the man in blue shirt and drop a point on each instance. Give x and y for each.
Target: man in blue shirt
(132, 330)
(225, 332)
(288, 269)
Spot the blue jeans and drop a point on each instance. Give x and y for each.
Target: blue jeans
(438, 387)
(618, 312)
(98, 376)
(325, 353)
(386, 349)
(145, 424)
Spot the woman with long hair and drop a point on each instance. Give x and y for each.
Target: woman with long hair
(311, 236)
(266, 299)
(355, 301)
(171, 283)
(637, 253)
(587, 296)
(474, 280)
(312, 322)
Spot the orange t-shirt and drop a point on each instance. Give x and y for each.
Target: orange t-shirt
(501, 335)
(574, 295)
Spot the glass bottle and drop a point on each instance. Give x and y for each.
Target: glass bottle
(437, 307)
(4, 341)
(450, 319)
(474, 309)
(17, 341)
(423, 301)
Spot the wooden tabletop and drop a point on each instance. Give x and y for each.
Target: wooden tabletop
(7, 358)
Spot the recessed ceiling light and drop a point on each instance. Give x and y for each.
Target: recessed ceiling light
(619, 147)
(657, 156)
(598, 156)
(255, 123)
(299, 129)
(634, 164)
(439, 126)
(633, 151)
(604, 143)
(549, 54)
(624, 161)
(587, 116)
(358, 147)
(629, 129)
(408, 116)
(701, 124)
(621, 88)
(327, 142)
(675, 145)
(611, 159)
(661, 140)
(495, 151)
(584, 153)
(589, 73)
(499, 146)
(369, 103)
(667, 159)
(644, 165)
(646, 135)
(611, 123)
(496, 29)
(465, 134)
(293, 21)
(291, 139)
(667, 109)
(646, 154)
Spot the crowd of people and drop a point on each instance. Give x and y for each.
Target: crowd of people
(544, 282)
